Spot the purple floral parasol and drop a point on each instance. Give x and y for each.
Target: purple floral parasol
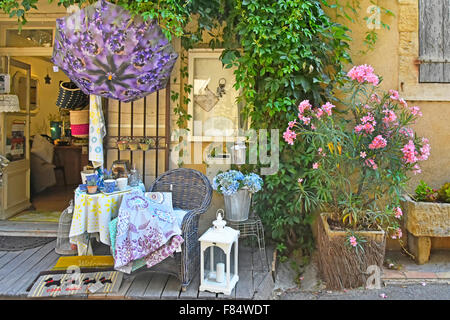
(107, 52)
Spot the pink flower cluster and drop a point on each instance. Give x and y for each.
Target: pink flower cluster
(378, 142)
(363, 73)
(411, 155)
(425, 150)
(394, 94)
(398, 212)
(407, 132)
(367, 125)
(390, 116)
(289, 136)
(304, 106)
(398, 234)
(327, 107)
(416, 111)
(375, 98)
(371, 163)
(409, 152)
(353, 241)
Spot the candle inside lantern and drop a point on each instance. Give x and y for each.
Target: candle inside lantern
(220, 272)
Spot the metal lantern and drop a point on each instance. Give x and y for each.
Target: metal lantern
(239, 153)
(218, 274)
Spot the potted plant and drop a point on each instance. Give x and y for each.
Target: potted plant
(91, 185)
(122, 143)
(133, 144)
(237, 190)
(427, 215)
(355, 172)
(146, 143)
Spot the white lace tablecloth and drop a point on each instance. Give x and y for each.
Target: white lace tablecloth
(91, 216)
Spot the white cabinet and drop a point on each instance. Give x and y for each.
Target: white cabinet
(15, 192)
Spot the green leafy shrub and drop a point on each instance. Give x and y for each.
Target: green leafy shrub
(425, 193)
(444, 193)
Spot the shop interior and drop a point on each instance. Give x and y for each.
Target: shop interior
(54, 158)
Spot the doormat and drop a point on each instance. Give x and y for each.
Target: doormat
(13, 243)
(84, 262)
(37, 216)
(50, 284)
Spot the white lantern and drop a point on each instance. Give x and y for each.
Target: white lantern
(221, 276)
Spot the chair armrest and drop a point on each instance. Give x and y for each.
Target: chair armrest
(189, 217)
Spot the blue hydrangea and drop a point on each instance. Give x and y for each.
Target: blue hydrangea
(253, 182)
(228, 183)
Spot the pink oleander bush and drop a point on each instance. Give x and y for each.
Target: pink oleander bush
(358, 159)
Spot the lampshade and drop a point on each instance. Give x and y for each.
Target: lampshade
(9, 103)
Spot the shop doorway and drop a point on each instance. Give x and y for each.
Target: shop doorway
(53, 173)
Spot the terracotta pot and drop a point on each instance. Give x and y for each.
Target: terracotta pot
(92, 189)
(342, 266)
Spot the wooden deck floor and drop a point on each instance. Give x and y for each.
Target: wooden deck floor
(19, 268)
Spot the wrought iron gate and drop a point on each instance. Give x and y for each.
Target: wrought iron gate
(135, 121)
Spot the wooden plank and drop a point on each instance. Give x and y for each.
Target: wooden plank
(13, 265)
(8, 257)
(31, 229)
(156, 286)
(140, 283)
(231, 296)
(172, 288)
(192, 290)
(124, 287)
(15, 276)
(45, 264)
(431, 38)
(206, 295)
(244, 287)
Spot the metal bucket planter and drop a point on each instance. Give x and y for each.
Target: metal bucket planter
(237, 206)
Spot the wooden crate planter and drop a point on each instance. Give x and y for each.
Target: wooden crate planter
(342, 267)
(423, 221)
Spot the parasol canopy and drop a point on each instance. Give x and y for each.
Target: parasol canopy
(107, 52)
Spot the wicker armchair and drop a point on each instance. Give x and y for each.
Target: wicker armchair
(191, 191)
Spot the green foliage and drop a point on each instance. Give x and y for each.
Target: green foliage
(444, 193)
(289, 51)
(425, 193)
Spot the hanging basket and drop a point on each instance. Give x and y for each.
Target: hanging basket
(79, 123)
(71, 97)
